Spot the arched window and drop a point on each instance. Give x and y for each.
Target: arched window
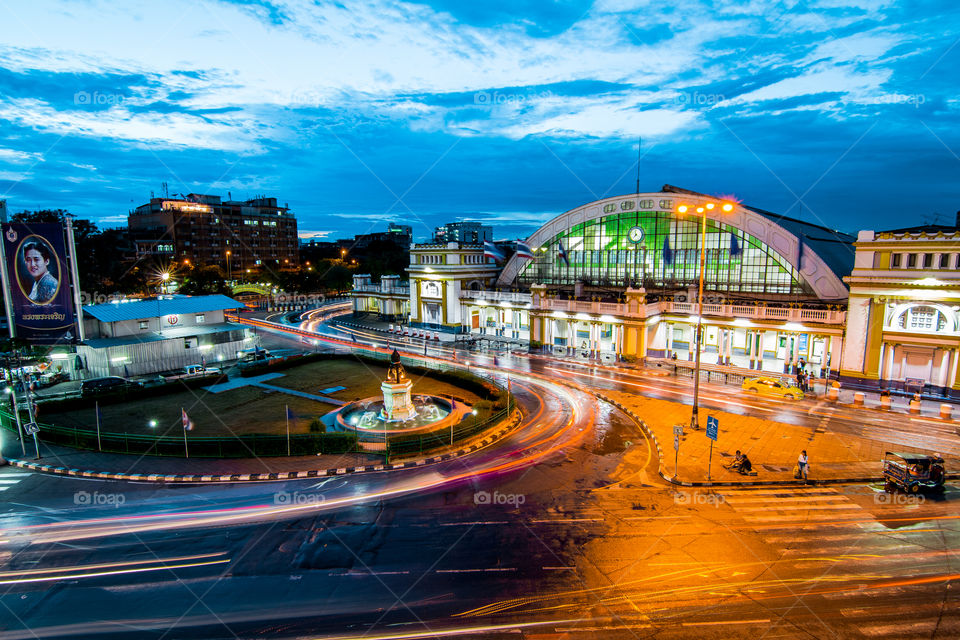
(924, 319)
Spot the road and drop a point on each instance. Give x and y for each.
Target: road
(530, 538)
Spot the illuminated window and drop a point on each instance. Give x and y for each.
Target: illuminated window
(201, 318)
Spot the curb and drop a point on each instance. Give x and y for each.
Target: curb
(263, 477)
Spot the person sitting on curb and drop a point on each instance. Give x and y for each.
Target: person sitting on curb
(745, 465)
(737, 461)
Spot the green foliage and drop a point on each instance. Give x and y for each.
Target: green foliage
(317, 426)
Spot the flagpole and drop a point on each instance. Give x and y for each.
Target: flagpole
(96, 406)
(186, 449)
(288, 429)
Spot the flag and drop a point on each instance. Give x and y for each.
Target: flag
(800, 254)
(667, 251)
(291, 417)
(524, 250)
(185, 419)
(562, 254)
(490, 250)
(735, 249)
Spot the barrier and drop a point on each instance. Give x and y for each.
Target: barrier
(946, 411)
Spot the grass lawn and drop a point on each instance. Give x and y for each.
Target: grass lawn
(247, 409)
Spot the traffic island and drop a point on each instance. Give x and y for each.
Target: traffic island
(773, 447)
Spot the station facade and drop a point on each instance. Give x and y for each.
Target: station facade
(617, 279)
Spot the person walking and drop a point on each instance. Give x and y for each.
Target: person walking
(803, 464)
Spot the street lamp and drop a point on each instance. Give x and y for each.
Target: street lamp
(165, 277)
(701, 211)
(228, 266)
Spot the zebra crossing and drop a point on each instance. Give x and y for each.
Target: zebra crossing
(9, 479)
(835, 536)
(793, 507)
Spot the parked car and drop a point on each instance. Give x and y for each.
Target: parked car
(193, 371)
(108, 384)
(771, 386)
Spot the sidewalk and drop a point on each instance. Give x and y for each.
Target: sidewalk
(772, 446)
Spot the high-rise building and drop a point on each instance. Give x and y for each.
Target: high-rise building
(466, 232)
(202, 230)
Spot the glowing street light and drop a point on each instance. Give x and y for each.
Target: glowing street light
(698, 339)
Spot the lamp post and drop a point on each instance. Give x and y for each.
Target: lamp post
(229, 275)
(701, 210)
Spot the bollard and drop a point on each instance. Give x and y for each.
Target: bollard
(885, 402)
(914, 406)
(833, 392)
(946, 410)
(858, 399)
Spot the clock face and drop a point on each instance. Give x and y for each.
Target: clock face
(635, 234)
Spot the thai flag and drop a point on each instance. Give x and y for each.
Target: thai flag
(291, 416)
(524, 250)
(562, 254)
(490, 250)
(185, 419)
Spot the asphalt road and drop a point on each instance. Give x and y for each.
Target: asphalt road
(532, 538)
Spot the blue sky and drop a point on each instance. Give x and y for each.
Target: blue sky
(844, 112)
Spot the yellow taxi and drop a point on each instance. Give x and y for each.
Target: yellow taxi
(771, 386)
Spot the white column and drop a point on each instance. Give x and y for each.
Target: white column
(944, 366)
(729, 354)
(887, 373)
(571, 337)
(669, 331)
(759, 350)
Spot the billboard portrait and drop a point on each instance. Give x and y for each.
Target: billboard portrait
(39, 282)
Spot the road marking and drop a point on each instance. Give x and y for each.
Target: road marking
(496, 569)
(717, 622)
(470, 524)
(569, 520)
(559, 568)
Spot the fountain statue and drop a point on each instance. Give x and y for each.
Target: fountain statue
(397, 404)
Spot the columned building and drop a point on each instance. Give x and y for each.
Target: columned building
(390, 299)
(617, 279)
(439, 274)
(903, 323)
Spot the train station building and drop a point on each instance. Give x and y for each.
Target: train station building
(617, 279)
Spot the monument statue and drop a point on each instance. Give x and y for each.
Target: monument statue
(395, 373)
(397, 404)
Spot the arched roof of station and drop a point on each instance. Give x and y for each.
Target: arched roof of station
(827, 256)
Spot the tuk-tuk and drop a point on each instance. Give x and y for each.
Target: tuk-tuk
(913, 472)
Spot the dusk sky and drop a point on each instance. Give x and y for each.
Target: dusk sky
(842, 112)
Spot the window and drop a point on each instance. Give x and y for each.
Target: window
(911, 260)
(927, 260)
(144, 325)
(895, 261)
(944, 261)
(201, 318)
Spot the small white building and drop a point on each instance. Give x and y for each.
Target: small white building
(144, 336)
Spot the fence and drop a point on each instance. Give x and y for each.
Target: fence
(244, 446)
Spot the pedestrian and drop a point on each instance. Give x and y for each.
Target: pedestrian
(803, 465)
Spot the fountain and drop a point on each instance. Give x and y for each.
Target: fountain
(397, 411)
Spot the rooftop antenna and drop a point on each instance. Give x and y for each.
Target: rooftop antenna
(639, 142)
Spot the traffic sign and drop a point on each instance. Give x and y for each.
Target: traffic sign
(31, 428)
(678, 429)
(713, 425)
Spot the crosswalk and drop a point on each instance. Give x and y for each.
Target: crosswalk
(884, 581)
(9, 479)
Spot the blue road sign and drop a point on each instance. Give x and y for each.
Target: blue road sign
(713, 425)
